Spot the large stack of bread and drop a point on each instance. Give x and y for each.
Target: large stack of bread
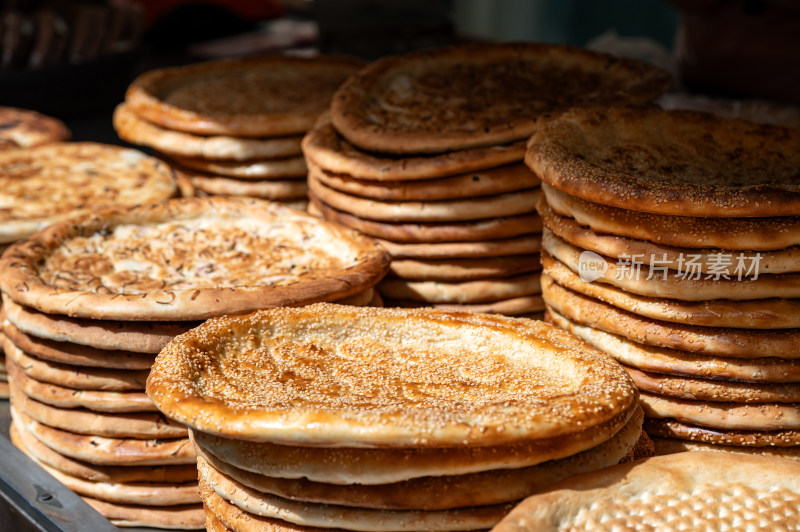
(91, 300)
(671, 242)
(233, 127)
(331, 416)
(423, 151)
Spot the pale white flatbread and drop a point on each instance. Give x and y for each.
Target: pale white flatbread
(686, 491)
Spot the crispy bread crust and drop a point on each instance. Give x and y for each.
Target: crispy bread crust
(593, 388)
(323, 146)
(50, 271)
(681, 163)
(474, 95)
(271, 95)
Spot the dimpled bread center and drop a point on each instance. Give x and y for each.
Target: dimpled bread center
(706, 507)
(383, 368)
(194, 254)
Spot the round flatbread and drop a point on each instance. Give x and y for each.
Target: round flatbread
(660, 282)
(694, 389)
(45, 184)
(324, 147)
(270, 95)
(61, 339)
(134, 129)
(440, 492)
(737, 234)
(735, 416)
(188, 259)
(390, 465)
(464, 269)
(670, 446)
(488, 182)
(693, 491)
(462, 293)
(680, 163)
(508, 204)
(701, 261)
(434, 232)
(721, 341)
(674, 362)
(671, 428)
(20, 128)
(474, 95)
(284, 190)
(753, 314)
(263, 169)
(589, 387)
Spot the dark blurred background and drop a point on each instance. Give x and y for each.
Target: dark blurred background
(74, 59)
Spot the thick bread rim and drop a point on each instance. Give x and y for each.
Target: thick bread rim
(132, 128)
(462, 292)
(324, 147)
(260, 170)
(678, 476)
(433, 232)
(605, 388)
(719, 341)
(353, 465)
(479, 183)
(143, 97)
(736, 416)
(353, 118)
(674, 362)
(20, 264)
(103, 451)
(735, 234)
(664, 446)
(309, 514)
(656, 283)
(554, 153)
(92, 472)
(481, 488)
(51, 333)
(672, 428)
(516, 306)
(457, 210)
(785, 260)
(767, 314)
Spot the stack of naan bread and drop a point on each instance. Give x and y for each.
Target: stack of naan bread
(43, 180)
(424, 152)
(91, 300)
(330, 416)
(233, 127)
(671, 242)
